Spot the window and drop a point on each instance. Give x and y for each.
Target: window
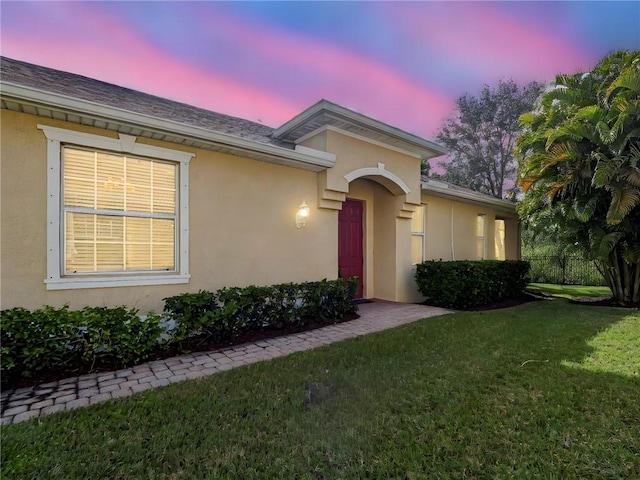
(500, 235)
(117, 212)
(480, 236)
(417, 235)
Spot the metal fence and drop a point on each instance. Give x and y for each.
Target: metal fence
(564, 270)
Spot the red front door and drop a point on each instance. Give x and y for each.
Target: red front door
(350, 242)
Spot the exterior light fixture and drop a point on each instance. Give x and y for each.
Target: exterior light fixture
(301, 215)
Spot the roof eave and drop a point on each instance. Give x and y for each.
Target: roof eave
(262, 151)
(286, 130)
(472, 197)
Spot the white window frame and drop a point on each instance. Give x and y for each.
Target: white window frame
(56, 138)
(422, 233)
(482, 237)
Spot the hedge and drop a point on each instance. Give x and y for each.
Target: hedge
(50, 339)
(468, 284)
(227, 312)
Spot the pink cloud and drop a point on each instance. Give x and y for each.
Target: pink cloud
(487, 39)
(113, 51)
(124, 58)
(341, 75)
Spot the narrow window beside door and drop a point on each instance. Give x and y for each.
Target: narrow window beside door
(480, 237)
(418, 236)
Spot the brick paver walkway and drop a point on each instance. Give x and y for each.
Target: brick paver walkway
(24, 403)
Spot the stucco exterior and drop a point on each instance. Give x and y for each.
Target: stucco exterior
(243, 188)
(451, 228)
(242, 228)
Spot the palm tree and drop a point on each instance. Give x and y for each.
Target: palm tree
(579, 165)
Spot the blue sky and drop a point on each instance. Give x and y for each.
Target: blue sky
(404, 63)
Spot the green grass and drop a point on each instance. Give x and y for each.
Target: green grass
(544, 390)
(571, 291)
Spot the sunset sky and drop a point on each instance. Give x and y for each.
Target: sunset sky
(404, 63)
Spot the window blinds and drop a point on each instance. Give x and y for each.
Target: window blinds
(119, 213)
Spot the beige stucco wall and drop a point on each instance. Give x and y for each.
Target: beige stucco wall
(242, 221)
(355, 154)
(242, 224)
(387, 262)
(451, 229)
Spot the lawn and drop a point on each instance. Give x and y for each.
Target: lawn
(543, 390)
(571, 291)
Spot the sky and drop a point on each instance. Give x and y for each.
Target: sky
(404, 63)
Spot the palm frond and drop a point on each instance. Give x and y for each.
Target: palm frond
(560, 152)
(631, 254)
(625, 198)
(631, 175)
(602, 242)
(585, 210)
(606, 134)
(590, 113)
(555, 188)
(635, 148)
(628, 80)
(605, 171)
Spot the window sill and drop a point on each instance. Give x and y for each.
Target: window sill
(106, 282)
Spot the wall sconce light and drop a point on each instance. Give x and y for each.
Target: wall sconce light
(301, 215)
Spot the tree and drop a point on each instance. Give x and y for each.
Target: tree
(425, 168)
(480, 137)
(580, 168)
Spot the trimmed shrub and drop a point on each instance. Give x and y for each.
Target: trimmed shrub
(223, 314)
(50, 338)
(187, 311)
(468, 284)
(327, 300)
(40, 340)
(117, 335)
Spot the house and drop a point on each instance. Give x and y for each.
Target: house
(114, 197)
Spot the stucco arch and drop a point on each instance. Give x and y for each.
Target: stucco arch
(379, 174)
(333, 197)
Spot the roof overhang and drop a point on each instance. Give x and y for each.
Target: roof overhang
(445, 190)
(62, 107)
(326, 113)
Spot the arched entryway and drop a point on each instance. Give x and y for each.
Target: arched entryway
(370, 233)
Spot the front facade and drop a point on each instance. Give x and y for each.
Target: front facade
(113, 197)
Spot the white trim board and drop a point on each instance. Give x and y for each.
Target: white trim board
(124, 144)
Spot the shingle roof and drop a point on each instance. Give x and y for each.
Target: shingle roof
(84, 88)
(451, 190)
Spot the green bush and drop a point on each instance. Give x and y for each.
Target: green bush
(188, 312)
(468, 284)
(49, 339)
(327, 300)
(223, 314)
(117, 335)
(38, 340)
